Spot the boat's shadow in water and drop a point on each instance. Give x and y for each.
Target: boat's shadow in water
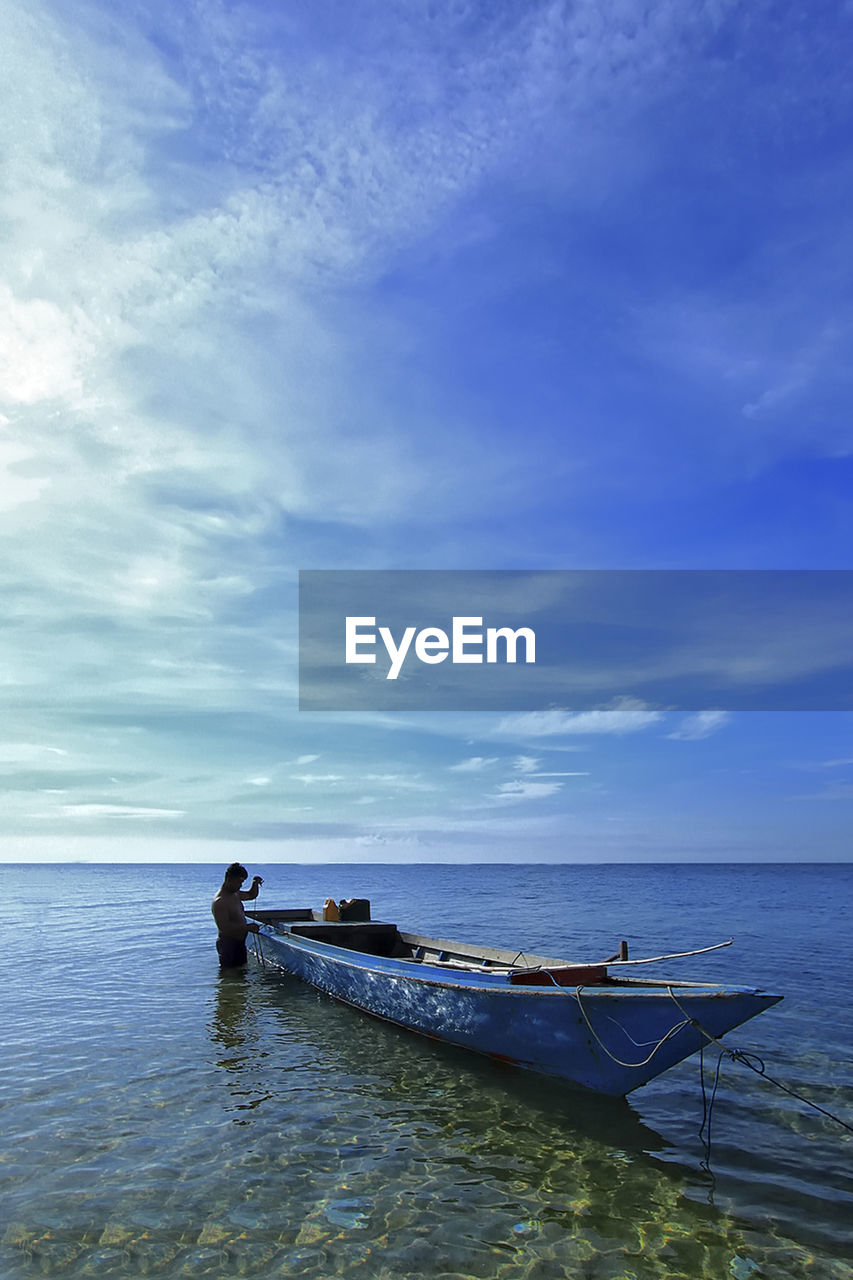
(398, 1070)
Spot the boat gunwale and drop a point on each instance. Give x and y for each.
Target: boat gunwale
(494, 981)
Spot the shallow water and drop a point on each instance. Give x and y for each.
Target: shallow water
(163, 1119)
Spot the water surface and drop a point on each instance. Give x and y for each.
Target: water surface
(161, 1118)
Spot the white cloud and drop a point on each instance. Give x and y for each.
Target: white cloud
(118, 811)
(400, 781)
(766, 354)
(474, 764)
(700, 725)
(628, 716)
(191, 351)
(147, 302)
(44, 350)
(512, 791)
(574, 773)
(27, 752)
(529, 766)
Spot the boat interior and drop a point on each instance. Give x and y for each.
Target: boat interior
(378, 938)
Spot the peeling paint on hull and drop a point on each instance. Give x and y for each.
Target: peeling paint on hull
(608, 1038)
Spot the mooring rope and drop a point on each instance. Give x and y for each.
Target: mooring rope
(259, 951)
(704, 1132)
(748, 1060)
(609, 1052)
(751, 1060)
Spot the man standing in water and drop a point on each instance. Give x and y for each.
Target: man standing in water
(227, 908)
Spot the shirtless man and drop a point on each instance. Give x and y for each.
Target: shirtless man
(227, 908)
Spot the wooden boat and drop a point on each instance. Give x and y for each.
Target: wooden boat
(587, 1024)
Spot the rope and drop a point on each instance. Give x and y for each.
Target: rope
(751, 1060)
(259, 951)
(707, 1109)
(756, 1064)
(660, 1043)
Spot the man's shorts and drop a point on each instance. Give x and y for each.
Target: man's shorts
(231, 952)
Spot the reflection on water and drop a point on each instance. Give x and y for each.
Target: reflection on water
(179, 1122)
(310, 1140)
(234, 1027)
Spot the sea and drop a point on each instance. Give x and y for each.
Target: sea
(160, 1118)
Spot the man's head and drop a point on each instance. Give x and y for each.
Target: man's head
(235, 875)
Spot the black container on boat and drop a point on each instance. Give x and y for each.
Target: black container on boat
(355, 909)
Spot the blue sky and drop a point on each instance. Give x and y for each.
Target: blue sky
(407, 285)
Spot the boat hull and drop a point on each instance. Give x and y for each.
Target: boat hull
(608, 1038)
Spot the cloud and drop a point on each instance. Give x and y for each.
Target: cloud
(474, 764)
(311, 779)
(766, 353)
(700, 725)
(630, 716)
(27, 752)
(574, 773)
(529, 766)
(233, 236)
(400, 781)
(513, 791)
(118, 811)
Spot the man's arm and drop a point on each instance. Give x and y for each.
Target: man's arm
(257, 881)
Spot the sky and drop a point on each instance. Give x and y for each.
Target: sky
(418, 284)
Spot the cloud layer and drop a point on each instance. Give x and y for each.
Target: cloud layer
(395, 286)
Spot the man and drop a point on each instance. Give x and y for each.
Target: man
(227, 908)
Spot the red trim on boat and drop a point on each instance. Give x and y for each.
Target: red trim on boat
(573, 975)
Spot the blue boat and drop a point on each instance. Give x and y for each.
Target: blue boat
(587, 1024)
